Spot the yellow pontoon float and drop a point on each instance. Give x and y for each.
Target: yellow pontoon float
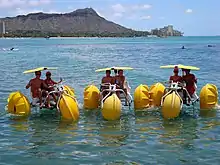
(66, 104)
(111, 103)
(169, 96)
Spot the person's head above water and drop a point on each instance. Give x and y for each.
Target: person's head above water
(108, 72)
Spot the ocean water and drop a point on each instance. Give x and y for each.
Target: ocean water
(143, 138)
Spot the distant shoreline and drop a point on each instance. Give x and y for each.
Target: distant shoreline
(38, 34)
(91, 37)
(83, 37)
(101, 37)
(79, 23)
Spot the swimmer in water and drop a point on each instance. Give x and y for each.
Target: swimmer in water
(12, 49)
(183, 47)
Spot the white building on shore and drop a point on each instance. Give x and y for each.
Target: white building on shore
(2, 28)
(166, 31)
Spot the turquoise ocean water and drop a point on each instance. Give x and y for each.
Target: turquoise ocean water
(135, 139)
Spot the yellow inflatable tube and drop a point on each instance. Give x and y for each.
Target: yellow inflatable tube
(68, 107)
(18, 104)
(141, 97)
(208, 97)
(112, 108)
(91, 97)
(69, 90)
(156, 94)
(171, 106)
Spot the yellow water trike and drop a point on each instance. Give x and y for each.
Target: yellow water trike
(172, 96)
(66, 103)
(110, 99)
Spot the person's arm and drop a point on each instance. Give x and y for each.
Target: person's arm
(113, 80)
(123, 82)
(55, 82)
(28, 85)
(102, 82)
(60, 80)
(181, 83)
(101, 87)
(170, 80)
(44, 85)
(195, 79)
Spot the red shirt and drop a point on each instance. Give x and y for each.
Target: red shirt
(176, 78)
(49, 82)
(190, 79)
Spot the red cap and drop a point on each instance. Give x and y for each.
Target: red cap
(48, 73)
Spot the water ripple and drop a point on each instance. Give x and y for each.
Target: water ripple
(143, 139)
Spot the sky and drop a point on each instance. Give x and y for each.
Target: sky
(193, 17)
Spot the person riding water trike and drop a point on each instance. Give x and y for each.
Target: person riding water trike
(191, 82)
(50, 87)
(177, 79)
(106, 81)
(36, 85)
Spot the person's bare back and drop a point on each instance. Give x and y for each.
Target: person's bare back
(35, 85)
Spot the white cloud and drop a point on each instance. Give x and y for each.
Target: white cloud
(23, 7)
(6, 4)
(146, 17)
(146, 6)
(117, 15)
(19, 11)
(11, 3)
(45, 2)
(38, 2)
(118, 8)
(189, 11)
(33, 3)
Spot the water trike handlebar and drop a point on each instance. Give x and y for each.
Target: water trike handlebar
(109, 85)
(56, 85)
(105, 84)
